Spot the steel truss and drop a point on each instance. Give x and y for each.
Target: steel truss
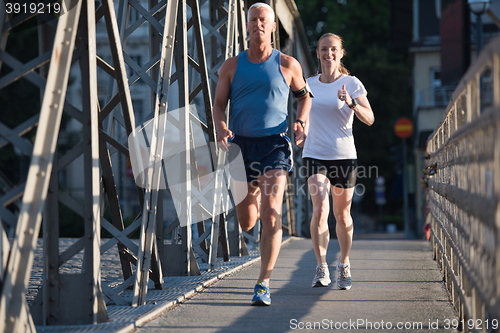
(178, 35)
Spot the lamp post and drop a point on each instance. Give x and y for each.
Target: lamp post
(479, 7)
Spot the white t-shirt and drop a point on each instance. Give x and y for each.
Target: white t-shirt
(330, 120)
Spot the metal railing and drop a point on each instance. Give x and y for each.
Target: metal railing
(463, 179)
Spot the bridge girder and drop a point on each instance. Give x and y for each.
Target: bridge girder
(186, 50)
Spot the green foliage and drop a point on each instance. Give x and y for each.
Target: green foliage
(385, 72)
(361, 23)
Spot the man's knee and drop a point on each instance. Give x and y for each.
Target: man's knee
(271, 219)
(270, 212)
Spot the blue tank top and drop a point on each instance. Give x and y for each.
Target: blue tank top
(259, 97)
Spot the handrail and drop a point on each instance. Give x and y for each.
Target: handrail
(463, 193)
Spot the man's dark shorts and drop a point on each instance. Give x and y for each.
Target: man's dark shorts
(341, 173)
(261, 154)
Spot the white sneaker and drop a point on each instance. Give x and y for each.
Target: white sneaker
(344, 281)
(322, 277)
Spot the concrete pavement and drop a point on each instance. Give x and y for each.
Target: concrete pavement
(396, 284)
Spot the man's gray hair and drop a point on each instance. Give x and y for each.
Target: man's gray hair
(261, 5)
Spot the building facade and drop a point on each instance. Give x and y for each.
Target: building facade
(443, 46)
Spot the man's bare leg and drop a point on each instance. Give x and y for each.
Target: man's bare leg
(272, 187)
(248, 210)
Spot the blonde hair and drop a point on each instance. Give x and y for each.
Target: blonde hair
(342, 69)
(261, 5)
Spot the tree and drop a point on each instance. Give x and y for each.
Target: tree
(380, 62)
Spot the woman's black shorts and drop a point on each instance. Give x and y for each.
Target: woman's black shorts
(341, 173)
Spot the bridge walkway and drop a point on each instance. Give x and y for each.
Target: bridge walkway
(395, 282)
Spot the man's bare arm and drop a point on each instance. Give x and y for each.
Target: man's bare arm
(297, 82)
(221, 99)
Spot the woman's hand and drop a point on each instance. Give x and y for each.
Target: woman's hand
(344, 96)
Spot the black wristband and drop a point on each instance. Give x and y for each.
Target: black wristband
(354, 104)
(300, 122)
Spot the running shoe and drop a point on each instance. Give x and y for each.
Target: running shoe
(262, 295)
(322, 277)
(344, 281)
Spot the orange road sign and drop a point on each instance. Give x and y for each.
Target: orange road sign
(403, 128)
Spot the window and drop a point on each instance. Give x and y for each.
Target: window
(134, 15)
(436, 92)
(439, 95)
(138, 106)
(138, 60)
(486, 88)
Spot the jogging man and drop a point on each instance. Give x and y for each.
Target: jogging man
(257, 83)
